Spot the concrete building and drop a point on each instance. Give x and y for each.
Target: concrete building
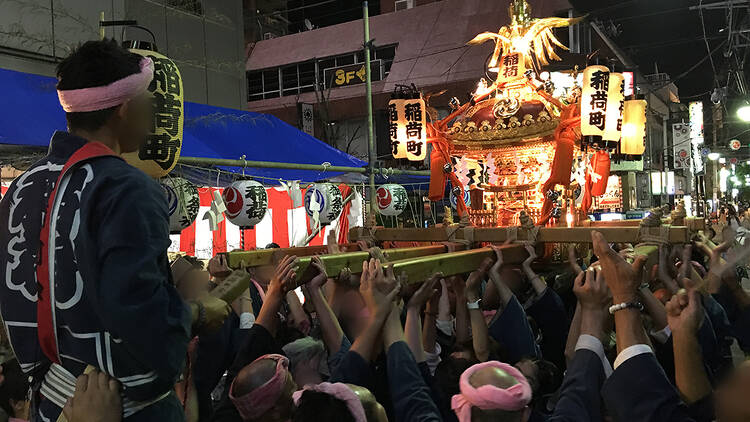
(422, 43)
(203, 37)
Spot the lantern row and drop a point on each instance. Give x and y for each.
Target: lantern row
(606, 114)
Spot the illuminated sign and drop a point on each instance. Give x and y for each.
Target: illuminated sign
(629, 88)
(406, 125)
(695, 110)
(351, 74)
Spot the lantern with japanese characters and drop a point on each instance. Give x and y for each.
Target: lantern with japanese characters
(323, 203)
(391, 199)
(594, 100)
(159, 154)
(633, 127)
(407, 127)
(615, 98)
(183, 203)
(246, 202)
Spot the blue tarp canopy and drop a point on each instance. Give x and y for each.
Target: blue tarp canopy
(30, 113)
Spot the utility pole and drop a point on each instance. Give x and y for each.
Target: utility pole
(370, 132)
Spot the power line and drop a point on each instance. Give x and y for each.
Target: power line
(705, 39)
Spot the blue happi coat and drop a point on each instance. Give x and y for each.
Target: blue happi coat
(116, 308)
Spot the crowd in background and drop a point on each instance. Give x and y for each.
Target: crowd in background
(502, 343)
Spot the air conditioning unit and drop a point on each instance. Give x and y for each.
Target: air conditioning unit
(404, 4)
(269, 35)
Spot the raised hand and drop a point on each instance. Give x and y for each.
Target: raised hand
(622, 278)
(474, 281)
(426, 292)
(685, 310)
(573, 260)
(498, 265)
(218, 267)
(333, 243)
(375, 290)
(591, 290)
(320, 279)
(283, 279)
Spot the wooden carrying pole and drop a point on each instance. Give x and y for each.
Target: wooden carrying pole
(260, 257)
(680, 234)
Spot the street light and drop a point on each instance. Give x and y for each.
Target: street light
(713, 156)
(743, 113)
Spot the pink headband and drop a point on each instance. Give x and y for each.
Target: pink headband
(259, 401)
(108, 96)
(341, 392)
(488, 397)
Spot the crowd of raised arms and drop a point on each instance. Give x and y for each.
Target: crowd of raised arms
(103, 328)
(502, 343)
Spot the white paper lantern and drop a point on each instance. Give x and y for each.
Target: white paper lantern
(454, 199)
(391, 199)
(325, 198)
(246, 202)
(183, 202)
(594, 100)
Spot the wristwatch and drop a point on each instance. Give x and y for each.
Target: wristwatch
(473, 305)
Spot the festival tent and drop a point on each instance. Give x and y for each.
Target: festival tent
(30, 113)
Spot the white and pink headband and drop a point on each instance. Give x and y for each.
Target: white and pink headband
(340, 391)
(108, 96)
(489, 397)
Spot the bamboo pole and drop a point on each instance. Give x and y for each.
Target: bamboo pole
(260, 257)
(419, 269)
(204, 161)
(679, 234)
(334, 263)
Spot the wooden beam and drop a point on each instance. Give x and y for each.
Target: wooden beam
(334, 263)
(500, 234)
(260, 257)
(419, 269)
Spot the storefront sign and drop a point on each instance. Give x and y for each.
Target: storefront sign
(351, 74)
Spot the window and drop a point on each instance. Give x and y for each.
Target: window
(189, 6)
(298, 78)
(404, 4)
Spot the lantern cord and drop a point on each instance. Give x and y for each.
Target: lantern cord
(244, 164)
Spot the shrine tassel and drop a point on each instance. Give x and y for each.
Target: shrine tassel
(344, 217)
(562, 164)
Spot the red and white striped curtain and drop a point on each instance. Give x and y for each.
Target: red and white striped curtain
(282, 224)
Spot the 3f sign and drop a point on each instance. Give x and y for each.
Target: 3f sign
(345, 77)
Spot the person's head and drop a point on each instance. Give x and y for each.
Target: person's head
(262, 390)
(543, 376)
(731, 396)
(189, 278)
(448, 373)
(14, 391)
(374, 411)
(307, 360)
(328, 402)
(123, 111)
(492, 391)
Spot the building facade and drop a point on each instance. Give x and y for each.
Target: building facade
(203, 37)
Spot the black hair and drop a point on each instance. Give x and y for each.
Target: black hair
(95, 63)
(272, 245)
(316, 406)
(15, 387)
